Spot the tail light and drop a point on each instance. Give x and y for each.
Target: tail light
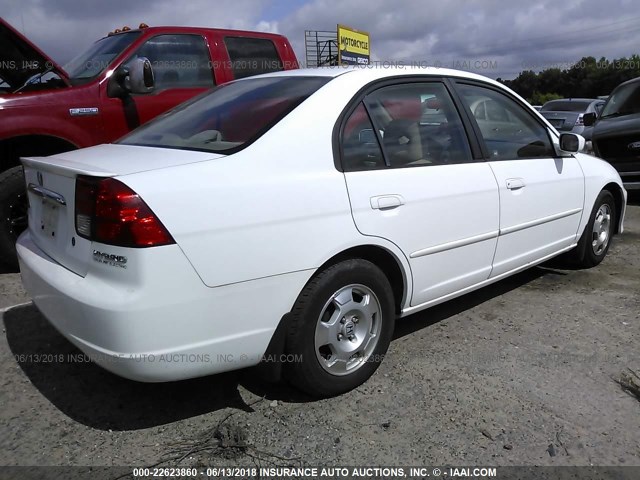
(107, 211)
(580, 120)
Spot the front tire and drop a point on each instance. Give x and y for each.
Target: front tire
(340, 329)
(596, 238)
(13, 213)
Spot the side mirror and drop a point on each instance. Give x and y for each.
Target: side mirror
(118, 85)
(571, 143)
(141, 77)
(134, 77)
(589, 119)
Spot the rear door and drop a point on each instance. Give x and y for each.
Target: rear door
(412, 179)
(541, 194)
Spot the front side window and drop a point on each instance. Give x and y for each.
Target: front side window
(624, 100)
(252, 56)
(178, 61)
(508, 130)
(228, 118)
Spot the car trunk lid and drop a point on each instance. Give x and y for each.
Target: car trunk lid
(561, 120)
(51, 188)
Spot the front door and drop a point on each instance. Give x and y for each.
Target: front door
(541, 193)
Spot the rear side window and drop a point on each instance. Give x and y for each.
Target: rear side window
(360, 147)
(252, 56)
(411, 125)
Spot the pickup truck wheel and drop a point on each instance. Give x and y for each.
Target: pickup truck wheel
(13, 213)
(340, 329)
(596, 238)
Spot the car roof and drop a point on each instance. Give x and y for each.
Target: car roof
(370, 73)
(160, 29)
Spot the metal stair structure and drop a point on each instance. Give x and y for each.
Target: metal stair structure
(321, 48)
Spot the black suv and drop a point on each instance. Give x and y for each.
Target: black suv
(616, 133)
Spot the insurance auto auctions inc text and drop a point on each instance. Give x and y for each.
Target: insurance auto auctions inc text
(373, 472)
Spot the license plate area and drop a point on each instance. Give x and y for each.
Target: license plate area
(49, 216)
(51, 222)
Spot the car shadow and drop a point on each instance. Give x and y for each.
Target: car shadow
(99, 399)
(431, 316)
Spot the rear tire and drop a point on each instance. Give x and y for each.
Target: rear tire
(13, 213)
(596, 238)
(340, 329)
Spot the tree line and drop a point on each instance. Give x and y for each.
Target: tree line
(587, 78)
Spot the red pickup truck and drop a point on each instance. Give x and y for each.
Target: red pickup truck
(117, 84)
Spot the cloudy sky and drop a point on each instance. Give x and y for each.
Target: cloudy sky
(495, 38)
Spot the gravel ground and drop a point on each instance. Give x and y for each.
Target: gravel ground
(518, 373)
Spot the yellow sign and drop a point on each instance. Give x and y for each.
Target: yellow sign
(353, 46)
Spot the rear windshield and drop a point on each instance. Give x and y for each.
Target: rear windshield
(573, 106)
(229, 117)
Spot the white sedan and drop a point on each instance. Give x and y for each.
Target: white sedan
(290, 218)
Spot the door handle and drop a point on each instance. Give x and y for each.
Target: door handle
(515, 183)
(386, 202)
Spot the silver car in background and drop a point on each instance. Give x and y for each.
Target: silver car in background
(566, 114)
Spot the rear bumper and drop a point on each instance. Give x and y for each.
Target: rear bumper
(159, 322)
